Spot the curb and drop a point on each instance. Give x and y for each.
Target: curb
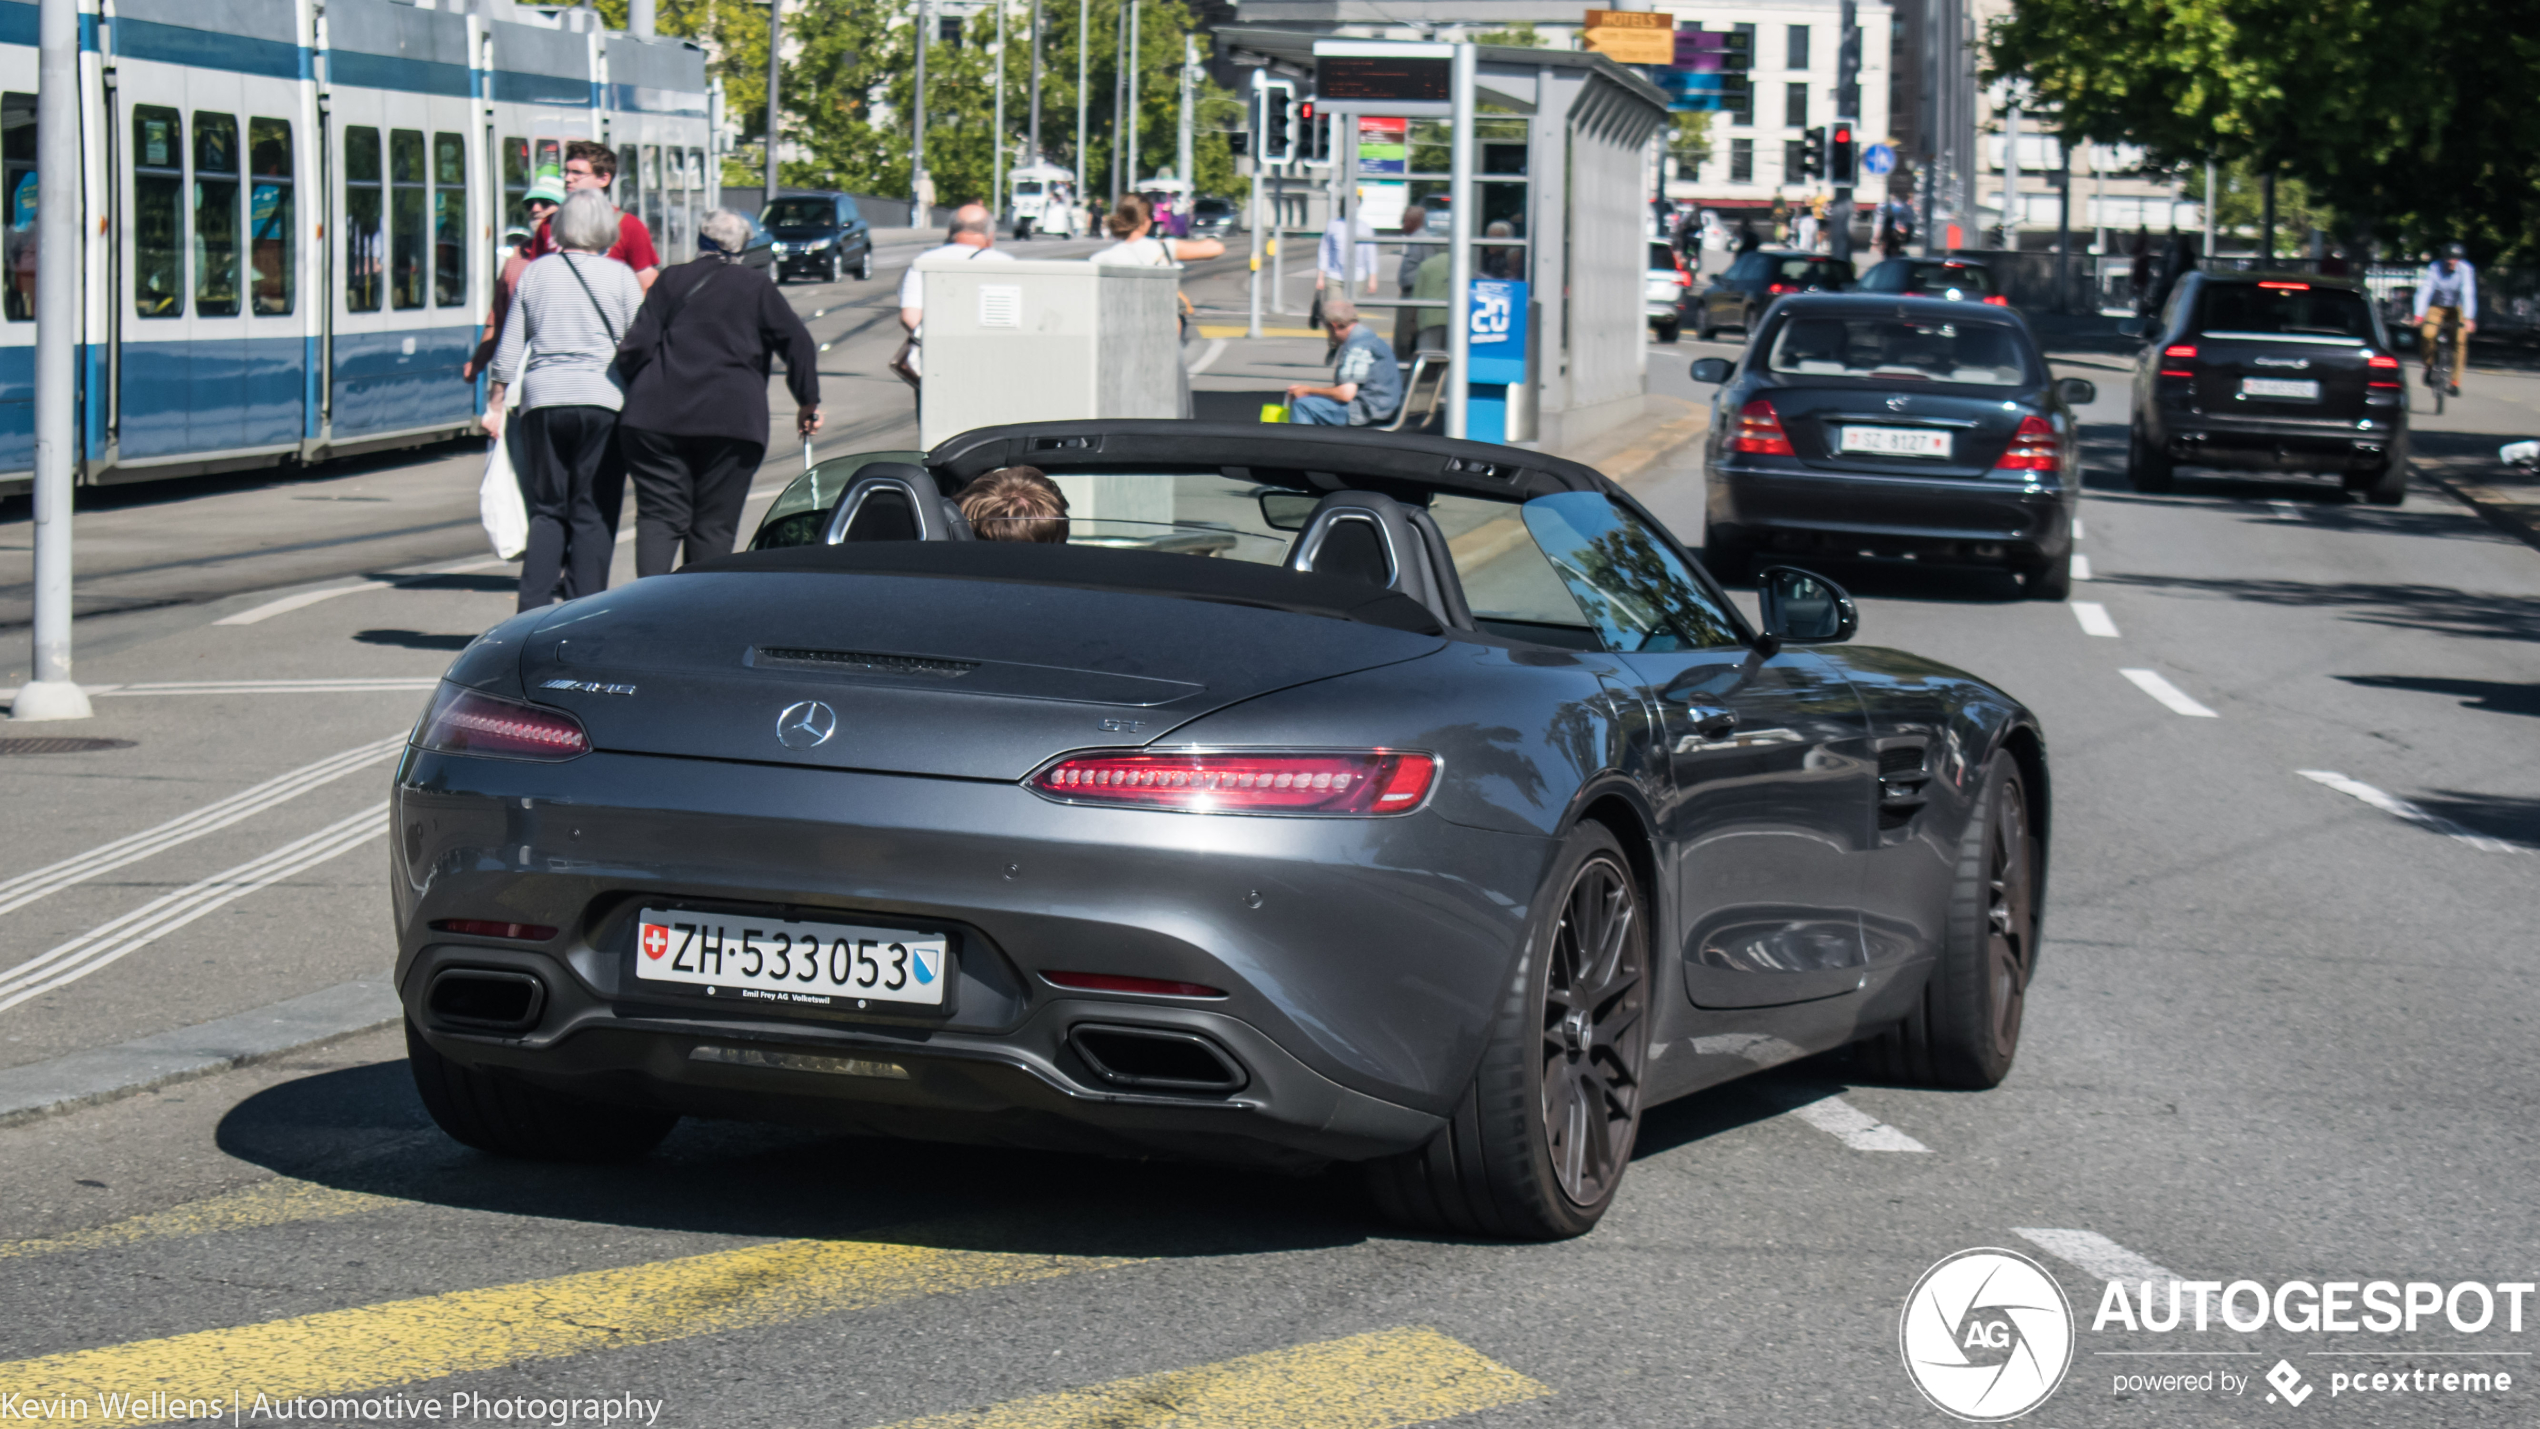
(2516, 513)
(104, 1074)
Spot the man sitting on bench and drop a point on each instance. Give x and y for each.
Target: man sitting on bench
(1366, 388)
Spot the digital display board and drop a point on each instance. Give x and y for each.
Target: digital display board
(1346, 78)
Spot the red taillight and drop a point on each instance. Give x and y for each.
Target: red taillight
(465, 721)
(2292, 287)
(1113, 982)
(1375, 781)
(1683, 278)
(1759, 430)
(2034, 447)
(2181, 352)
(2381, 362)
(1783, 288)
(487, 928)
(1999, 301)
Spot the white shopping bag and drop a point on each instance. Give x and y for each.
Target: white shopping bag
(499, 505)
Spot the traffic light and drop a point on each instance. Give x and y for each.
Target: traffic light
(1314, 134)
(1812, 154)
(1274, 121)
(1843, 156)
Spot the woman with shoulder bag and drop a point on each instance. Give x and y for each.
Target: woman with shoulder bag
(1132, 224)
(566, 318)
(696, 365)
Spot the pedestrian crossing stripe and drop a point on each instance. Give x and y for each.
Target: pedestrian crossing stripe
(400, 1342)
(1413, 1375)
(280, 1201)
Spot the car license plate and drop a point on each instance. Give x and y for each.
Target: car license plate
(813, 964)
(2282, 388)
(1896, 441)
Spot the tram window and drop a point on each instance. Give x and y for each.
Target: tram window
(405, 218)
(215, 215)
(158, 216)
(363, 207)
(449, 221)
(272, 218)
(652, 187)
(627, 191)
(515, 152)
(17, 149)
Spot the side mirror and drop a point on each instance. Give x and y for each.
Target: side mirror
(1712, 369)
(2077, 391)
(2131, 327)
(1802, 608)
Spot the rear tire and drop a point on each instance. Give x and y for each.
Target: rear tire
(1965, 1030)
(1729, 559)
(1537, 1146)
(2148, 469)
(492, 1111)
(1667, 332)
(2050, 581)
(2390, 487)
(1702, 328)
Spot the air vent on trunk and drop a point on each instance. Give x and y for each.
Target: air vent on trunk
(788, 658)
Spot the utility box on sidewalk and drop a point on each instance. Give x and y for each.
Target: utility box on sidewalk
(1046, 340)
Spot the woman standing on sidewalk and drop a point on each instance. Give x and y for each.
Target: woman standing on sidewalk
(696, 399)
(1132, 226)
(567, 317)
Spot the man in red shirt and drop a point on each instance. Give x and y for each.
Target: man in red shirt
(588, 165)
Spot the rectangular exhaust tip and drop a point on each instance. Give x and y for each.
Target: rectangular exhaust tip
(1155, 1059)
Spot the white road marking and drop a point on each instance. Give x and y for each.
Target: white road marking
(109, 943)
(2094, 618)
(1216, 349)
(301, 600)
(2151, 683)
(2076, 528)
(1854, 1127)
(16, 893)
(2096, 1255)
(2401, 808)
(2286, 511)
(2081, 572)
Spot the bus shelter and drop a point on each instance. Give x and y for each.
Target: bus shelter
(1558, 173)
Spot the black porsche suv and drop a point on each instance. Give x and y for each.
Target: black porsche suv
(2270, 372)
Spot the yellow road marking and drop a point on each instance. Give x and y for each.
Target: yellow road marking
(1392, 1377)
(404, 1341)
(267, 1203)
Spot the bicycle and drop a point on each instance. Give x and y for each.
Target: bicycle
(2438, 360)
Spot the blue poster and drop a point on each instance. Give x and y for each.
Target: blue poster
(1498, 331)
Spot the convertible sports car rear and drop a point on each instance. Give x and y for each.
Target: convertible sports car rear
(1323, 791)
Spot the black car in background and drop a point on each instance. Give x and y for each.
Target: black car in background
(1912, 427)
(1213, 217)
(1956, 279)
(1738, 297)
(2270, 372)
(818, 235)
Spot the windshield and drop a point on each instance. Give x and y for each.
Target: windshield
(2282, 310)
(1902, 349)
(1803, 272)
(1027, 187)
(800, 213)
(1951, 277)
(1662, 256)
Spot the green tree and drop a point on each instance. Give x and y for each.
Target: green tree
(1689, 138)
(2408, 118)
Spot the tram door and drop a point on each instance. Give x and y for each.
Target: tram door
(210, 162)
(17, 296)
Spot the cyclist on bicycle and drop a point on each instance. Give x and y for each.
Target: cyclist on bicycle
(2447, 300)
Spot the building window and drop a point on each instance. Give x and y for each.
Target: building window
(1742, 98)
(1741, 161)
(1795, 104)
(1798, 47)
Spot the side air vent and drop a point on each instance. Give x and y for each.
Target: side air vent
(1901, 784)
(865, 661)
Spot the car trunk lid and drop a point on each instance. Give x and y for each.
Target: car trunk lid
(2279, 376)
(921, 675)
(1978, 428)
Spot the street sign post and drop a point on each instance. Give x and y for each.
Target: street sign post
(1495, 324)
(1632, 37)
(50, 693)
(1878, 160)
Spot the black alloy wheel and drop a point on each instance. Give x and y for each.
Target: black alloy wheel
(1536, 1147)
(1595, 1032)
(1964, 1029)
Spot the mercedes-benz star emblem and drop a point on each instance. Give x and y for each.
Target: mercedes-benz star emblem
(1899, 404)
(806, 725)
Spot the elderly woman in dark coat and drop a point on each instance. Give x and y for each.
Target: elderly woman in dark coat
(695, 425)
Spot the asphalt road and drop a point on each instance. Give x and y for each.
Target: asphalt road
(2279, 1033)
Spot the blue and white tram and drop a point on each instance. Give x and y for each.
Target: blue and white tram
(293, 211)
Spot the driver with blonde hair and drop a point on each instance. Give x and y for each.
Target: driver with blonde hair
(1015, 503)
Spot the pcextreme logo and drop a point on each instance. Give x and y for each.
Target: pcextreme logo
(1987, 1335)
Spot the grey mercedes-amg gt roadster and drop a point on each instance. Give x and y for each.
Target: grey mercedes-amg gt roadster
(1323, 796)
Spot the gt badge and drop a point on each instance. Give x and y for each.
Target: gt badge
(806, 725)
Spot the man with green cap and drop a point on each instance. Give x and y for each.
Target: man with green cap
(545, 196)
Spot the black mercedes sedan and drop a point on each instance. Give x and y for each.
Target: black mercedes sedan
(1912, 427)
(819, 235)
(1317, 795)
(1739, 296)
(2270, 372)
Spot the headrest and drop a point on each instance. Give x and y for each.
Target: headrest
(895, 501)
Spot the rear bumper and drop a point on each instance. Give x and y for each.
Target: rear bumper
(1974, 519)
(1358, 990)
(2369, 442)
